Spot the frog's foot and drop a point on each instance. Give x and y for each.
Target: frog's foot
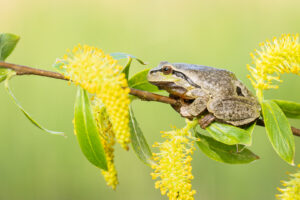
(206, 120)
(235, 110)
(193, 109)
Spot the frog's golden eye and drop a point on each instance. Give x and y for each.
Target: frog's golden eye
(167, 69)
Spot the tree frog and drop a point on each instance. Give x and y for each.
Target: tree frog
(215, 93)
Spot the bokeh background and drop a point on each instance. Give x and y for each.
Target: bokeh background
(34, 165)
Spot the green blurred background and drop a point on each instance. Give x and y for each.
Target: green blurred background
(34, 165)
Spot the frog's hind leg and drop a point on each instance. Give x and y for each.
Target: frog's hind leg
(235, 110)
(206, 120)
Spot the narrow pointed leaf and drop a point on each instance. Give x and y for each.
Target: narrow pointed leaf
(3, 74)
(119, 55)
(126, 68)
(139, 81)
(250, 128)
(87, 132)
(138, 141)
(229, 134)
(224, 153)
(289, 108)
(8, 42)
(34, 122)
(279, 131)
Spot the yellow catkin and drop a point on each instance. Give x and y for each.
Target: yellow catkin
(281, 55)
(108, 140)
(99, 74)
(292, 188)
(173, 164)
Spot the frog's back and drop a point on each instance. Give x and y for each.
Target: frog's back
(215, 81)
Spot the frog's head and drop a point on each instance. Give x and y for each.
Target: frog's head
(166, 76)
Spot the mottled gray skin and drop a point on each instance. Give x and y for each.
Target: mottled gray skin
(216, 90)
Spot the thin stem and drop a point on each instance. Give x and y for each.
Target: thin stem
(259, 94)
(143, 95)
(24, 70)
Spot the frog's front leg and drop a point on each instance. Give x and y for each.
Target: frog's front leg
(235, 110)
(191, 110)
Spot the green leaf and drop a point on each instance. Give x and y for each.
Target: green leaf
(140, 81)
(126, 68)
(279, 131)
(250, 128)
(138, 141)
(3, 74)
(224, 153)
(14, 99)
(229, 134)
(8, 42)
(291, 109)
(87, 132)
(119, 56)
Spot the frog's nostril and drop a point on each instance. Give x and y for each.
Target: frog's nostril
(152, 71)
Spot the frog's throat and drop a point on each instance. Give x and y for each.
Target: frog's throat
(170, 87)
(166, 85)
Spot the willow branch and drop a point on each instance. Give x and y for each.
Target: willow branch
(144, 95)
(24, 70)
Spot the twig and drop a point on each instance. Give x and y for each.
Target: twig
(144, 95)
(24, 70)
(149, 96)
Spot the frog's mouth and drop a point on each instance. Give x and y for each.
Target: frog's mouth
(170, 87)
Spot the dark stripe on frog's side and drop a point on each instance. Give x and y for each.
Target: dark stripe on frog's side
(180, 75)
(183, 76)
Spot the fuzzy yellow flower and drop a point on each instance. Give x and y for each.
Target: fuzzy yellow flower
(107, 136)
(174, 163)
(292, 188)
(282, 55)
(99, 74)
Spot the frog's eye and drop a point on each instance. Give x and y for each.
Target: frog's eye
(166, 69)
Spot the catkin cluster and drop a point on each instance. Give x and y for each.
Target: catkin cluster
(281, 55)
(292, 188)
(99, 74)
(107, 136)
(173, 164)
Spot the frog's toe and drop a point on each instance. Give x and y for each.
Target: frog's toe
(206, 120)
(188, 113)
